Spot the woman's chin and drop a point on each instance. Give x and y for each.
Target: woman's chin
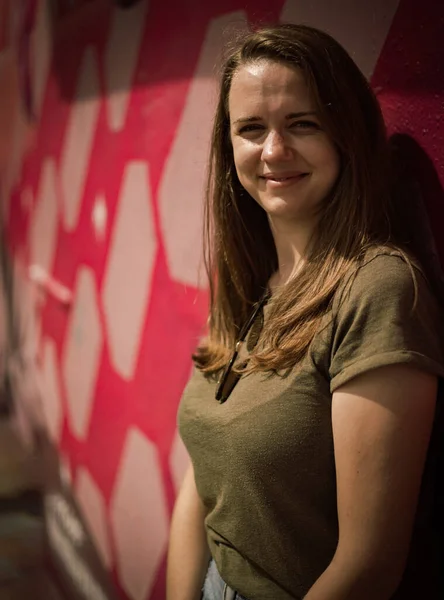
(281, 208)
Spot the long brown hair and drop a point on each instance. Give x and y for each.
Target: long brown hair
(240, 254)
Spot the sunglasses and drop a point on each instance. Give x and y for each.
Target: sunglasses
(230, 377)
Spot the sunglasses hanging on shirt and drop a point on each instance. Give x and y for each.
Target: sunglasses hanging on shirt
(230, 377)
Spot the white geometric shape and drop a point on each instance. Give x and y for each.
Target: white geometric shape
(99, 217)
(43, 230)
(179, 461)
(139, 516)
(129, 268)
(182, 187)
(41, 54)
(121, 56)
(94, 510)
(52, 402)
(79, 138)
(361, 27)
(82, 352)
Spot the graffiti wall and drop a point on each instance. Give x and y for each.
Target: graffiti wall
(102, 199)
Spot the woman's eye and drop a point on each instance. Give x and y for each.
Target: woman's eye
(250, 127)
(304, 125)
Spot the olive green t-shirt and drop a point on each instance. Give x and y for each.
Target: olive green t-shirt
(264, 460)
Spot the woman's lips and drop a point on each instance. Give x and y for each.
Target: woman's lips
(283, 180)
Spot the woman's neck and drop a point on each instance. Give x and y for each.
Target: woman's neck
(291, 245)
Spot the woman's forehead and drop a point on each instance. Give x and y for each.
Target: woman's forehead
(268, 84)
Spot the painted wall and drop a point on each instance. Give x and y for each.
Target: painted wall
(102, 202)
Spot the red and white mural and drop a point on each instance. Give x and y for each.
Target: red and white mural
(103, 211)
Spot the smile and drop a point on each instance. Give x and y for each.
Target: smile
(279, 180)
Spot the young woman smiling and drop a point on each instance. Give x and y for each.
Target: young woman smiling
(312, 443)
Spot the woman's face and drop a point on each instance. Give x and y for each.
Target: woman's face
(283, 157)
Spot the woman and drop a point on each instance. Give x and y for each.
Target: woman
(309, 474)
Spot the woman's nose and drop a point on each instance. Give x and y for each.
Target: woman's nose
(275, 147)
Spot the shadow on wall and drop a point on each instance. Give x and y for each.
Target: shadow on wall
(419, 204)
(419, 211)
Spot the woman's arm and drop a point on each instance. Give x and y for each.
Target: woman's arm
(188, 553)
(382, 422)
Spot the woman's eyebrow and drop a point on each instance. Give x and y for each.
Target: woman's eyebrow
(295, 115)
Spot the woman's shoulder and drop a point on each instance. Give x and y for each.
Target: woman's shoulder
(384, 266)
(386, 313)
(383, 258)
(385, 274)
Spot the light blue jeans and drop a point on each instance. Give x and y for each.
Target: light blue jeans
(215, 587)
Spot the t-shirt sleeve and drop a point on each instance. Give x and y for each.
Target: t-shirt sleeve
(377, 321)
